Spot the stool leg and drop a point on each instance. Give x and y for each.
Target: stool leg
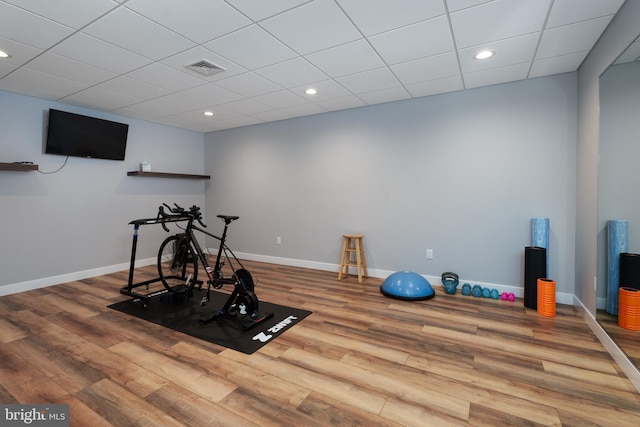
(359, 259)
(342, 257)
(364, 259)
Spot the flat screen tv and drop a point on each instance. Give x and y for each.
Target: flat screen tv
(70, 134)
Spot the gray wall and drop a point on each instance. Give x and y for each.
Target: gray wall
(621, 32)
(461, 173)
(75, 223)
(619, 150)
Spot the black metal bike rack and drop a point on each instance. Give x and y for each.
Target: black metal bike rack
(129, 289)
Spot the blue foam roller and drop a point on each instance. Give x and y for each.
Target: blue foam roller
(617, 243)
(540, 235)
(407, 285)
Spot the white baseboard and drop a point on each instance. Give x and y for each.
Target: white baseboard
(561, 298)
(629, 369)
(70, 277)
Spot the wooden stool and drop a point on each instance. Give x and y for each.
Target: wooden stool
(352, 243)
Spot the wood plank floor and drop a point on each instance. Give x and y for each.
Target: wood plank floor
(627, 340)
(360, 359)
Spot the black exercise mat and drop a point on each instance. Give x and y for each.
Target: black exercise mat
(183, 315)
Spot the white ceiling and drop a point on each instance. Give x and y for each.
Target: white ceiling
(128, 57)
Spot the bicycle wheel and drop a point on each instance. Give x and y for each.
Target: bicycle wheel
(177, 265)
(244, 277)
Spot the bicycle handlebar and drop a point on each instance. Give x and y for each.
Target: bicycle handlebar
(177, 213)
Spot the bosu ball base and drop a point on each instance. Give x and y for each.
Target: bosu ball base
(407, 285)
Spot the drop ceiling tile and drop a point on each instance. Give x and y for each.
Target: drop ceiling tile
(251, 47)
(272, 115)
(496, 75)
(305, 110)
(135, 88)
(181, 102)
(304, 29)
(212, 94)
(6, 68)
(413, 39)
(20, 52)
(30, 29)
(385, 15)
(385, 95)
(133, 32)
(244, 121)
(246, 106)
(430, 68)
(67, 12)
(98, 53)
(571, 38)
(220, 112)
(248, 84)
(367, 81)
(346, 59)
(149, 110)
(566, 12)
(343, 103)
(69, 69)
(557, 64)
(292, 73)
(455, 5)
(30, 90)
(507, 52)
(187, 120)
(165, 77)
(45, 82)
(498, 20)
(99, 98)
(180, 60)
(198, 20)
(138, 111)
(281, 99)
(632, 53)
(435, 87)
(259, 10)
(327, 89)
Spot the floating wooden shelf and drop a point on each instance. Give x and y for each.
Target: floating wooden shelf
(167, 175)
(18, 167)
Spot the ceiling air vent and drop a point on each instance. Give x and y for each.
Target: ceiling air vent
(205, 67)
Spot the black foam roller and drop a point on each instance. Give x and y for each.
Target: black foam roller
(629, 270)
(535, 267)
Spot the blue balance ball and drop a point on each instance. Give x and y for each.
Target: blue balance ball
(407, 285)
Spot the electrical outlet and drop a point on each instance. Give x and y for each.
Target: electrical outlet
(429, 253)
(278, 240)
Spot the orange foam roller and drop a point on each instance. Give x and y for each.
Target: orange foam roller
(546, 297)
(629, 308)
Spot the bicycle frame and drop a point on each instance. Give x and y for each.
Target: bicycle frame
(213, 274)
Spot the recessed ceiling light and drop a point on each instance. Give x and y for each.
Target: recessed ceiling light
(483, 54)
(208, 113)
(4, 54)
(311, 91)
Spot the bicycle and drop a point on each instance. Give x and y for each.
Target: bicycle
(178, 258)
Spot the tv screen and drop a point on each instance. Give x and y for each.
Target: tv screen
(70, 134)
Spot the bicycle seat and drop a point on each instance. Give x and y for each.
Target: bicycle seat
(228, 218)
